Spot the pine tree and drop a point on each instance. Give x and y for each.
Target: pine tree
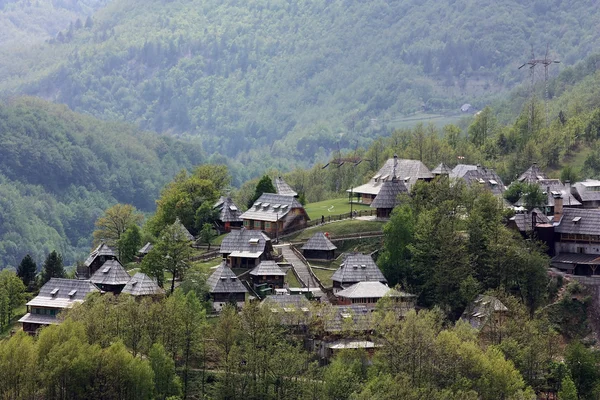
(567, 391)
(53, 267)
(265, 185)
(27, 270)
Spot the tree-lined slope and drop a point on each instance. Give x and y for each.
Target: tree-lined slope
(59, 171)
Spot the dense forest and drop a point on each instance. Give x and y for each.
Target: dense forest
(267, 80)
(60, 170)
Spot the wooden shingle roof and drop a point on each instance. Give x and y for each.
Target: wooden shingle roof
(183, 229)
(271, 207)
(267, 268)
(110, 273)
(533, 175)
(579, 221)
(244, 240)
(224, 280)
(481, 309)
(525, 220)
(101, 250)
(388, 195)
(228, 210)
(478, 175)
(142, 285)
(319, 241)
(146, 249)
(358, 267)
(408, 171)
(442, 169)
(62, 293)
(550, 187)
(283, 188)
(371, 290)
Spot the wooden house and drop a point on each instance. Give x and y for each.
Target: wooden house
(588, 193)
(224, 288)
(356, 268)
(319, 247)
(269, 273)
(442, 170)
(96, 259)
(275, 214)
(477, 175)
(388, 197)
(111, 277)
(281, 187)
(244, 248)
(142, 285)
(184, 230)
(369, 293)
(408, 171)
(487, 315)
(56, 295)
(229, 215)
(526, 222)
(145, 250)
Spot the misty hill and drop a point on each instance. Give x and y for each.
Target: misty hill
(59, 171)
(265, 80)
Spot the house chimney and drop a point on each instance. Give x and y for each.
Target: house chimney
(568, 185)
(558, 207)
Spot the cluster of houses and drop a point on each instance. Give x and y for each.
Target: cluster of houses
(101, 272)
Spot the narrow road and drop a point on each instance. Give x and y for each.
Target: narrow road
(303, 272)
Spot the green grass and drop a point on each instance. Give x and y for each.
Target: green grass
(332, 207)
(291, 279)
(324, 276)
(14, 322)
(438, 120)
(207, 265)
(338, 228)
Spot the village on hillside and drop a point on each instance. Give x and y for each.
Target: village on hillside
(296, 267)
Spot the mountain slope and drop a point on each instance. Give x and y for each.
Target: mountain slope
(59, 171)
(269, 74)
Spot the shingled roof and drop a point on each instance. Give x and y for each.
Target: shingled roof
(442, 169)
(533, 175)
(481, 309)
(353, 317)
(358, 267)
(62, 293)
(550, 187)
(271, 207)
(267, 268)
(478, 175)
(244, 240)
(146, 249)
(110, 273)
(579, 221)
(319, 241)
(184, 230)
(142, 285)
(101, 250)
(228, 211)
(588, 190)
(283, 188)
(388, 194)
(523, 221)
(223, 280)
(408, 171)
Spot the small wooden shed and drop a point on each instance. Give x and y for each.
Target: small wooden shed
(319, 247)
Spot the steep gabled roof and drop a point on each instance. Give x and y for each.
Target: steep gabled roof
(228, 210)
(142, 285)
(244, 240)
(110, 273)
(101, 250)
(283, 188)
(319, 241)
(267, 268)
(533, 175)
(146, 249)
(271, 207)
(358, 268)
(481, 309)
(62, 293)
(478, 175)
(223, 280)
(388, 194)
(408, 171)
(183, 229)
(442, 169)
(579, 221)
(524, 221)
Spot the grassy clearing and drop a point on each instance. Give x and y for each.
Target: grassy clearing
(338, 228)
(14, 322)
(332, 207)
(324, 276)
(207, 265)
(291, 279)
(438, 120)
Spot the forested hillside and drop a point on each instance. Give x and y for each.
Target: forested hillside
(272, 80)
(59, 171)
